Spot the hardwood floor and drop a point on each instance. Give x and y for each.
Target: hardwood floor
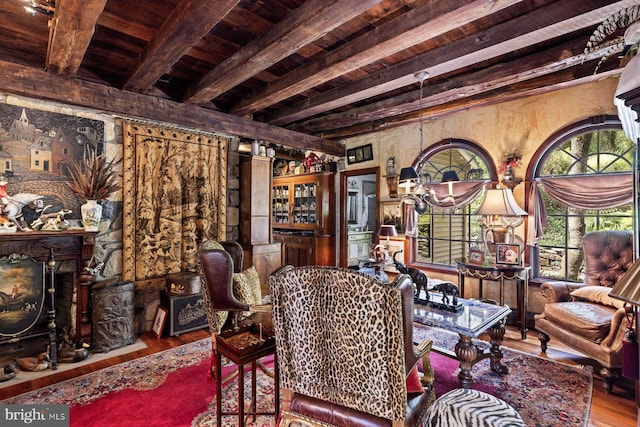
(607, 410)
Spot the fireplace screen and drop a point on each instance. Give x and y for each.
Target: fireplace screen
(22, 292)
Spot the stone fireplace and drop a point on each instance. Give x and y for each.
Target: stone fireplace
(72, 251)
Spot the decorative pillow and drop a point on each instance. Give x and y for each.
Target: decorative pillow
(599, 294)
(246, 288)
(413, 381)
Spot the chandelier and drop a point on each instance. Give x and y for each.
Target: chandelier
(418, 191)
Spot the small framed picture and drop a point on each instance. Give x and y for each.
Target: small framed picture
(476, 256)
(158, 322)
(507, 254)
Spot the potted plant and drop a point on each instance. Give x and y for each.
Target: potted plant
(92, 180)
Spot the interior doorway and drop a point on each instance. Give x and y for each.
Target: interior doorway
(359, 218)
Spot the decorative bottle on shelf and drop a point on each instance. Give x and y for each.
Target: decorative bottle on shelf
(91, 215)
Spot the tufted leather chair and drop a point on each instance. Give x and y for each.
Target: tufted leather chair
(593, 326)
(344, 342)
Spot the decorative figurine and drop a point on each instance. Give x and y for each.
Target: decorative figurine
(448, 288)
(419, 279)
(34, 364)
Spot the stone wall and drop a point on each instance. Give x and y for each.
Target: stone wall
(108, 248)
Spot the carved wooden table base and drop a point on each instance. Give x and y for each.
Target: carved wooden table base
(469, 354)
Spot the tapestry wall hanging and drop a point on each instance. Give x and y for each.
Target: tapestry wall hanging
(36, 148)
(22, 294)
(174, 197)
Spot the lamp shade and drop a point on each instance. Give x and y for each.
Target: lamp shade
(628, 287)
(408, 177)
(388, 231)
(450, 176)
(500, 201)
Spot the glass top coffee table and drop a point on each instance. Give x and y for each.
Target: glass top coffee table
(476, 318)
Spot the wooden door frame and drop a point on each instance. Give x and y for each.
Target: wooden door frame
(342, 217)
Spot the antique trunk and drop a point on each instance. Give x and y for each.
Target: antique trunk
(186, 313)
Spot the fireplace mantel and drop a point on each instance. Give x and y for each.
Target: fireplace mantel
(75, 245)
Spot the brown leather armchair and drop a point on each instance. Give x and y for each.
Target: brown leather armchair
(582, 315)
(345, 347)
(218, 263)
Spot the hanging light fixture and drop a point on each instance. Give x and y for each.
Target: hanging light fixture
(417, 191)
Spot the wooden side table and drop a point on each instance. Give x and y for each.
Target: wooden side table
(500, 273)
(243, 347)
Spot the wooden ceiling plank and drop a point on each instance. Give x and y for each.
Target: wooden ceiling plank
(305, 25)
(73, 24)
(39, 84)
(189, 22)
(550, 61)
(498, 40)
(416, 26)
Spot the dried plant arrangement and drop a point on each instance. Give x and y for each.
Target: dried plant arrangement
(94, 179)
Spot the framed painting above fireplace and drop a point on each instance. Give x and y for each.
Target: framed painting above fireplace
(22, 294)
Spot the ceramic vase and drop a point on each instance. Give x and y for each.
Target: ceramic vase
(91, 215)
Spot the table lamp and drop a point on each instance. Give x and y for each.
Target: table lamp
(497, 202)
(388, 231)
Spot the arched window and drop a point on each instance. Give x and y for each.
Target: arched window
(445, 233)
(583, 181)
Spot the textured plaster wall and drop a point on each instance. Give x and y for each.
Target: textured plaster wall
(524, 123)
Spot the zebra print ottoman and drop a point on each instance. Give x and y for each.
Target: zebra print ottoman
(471, 408)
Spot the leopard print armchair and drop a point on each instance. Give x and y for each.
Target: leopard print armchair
(344, 344)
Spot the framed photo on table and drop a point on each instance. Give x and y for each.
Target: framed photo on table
(507, 254)
(158, 321)
(476, 256)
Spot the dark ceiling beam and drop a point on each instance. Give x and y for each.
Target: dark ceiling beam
(189, 22)
(414, 27)
(39, 84)
(535, 27)
(73, 25)
(549, 61)
(306, 24)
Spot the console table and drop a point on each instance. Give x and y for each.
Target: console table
(500, 273)
(75, 245)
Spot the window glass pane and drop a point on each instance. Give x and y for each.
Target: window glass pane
(602, 149)
(444, 236)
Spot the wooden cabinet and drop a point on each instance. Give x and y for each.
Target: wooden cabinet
(300, 249)
(304, 202)
(358, 246)
(255, 200)
(266, 259)
(303, 218)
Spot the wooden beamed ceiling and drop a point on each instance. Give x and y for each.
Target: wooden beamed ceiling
(302, 74)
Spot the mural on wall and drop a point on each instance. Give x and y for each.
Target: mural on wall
(36, 148)
(174, 197)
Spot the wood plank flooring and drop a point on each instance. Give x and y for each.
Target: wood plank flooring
(607, 410)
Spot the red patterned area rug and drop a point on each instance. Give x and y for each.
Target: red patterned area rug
(171, 388)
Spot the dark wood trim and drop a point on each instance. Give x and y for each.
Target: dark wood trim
(39, 84)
